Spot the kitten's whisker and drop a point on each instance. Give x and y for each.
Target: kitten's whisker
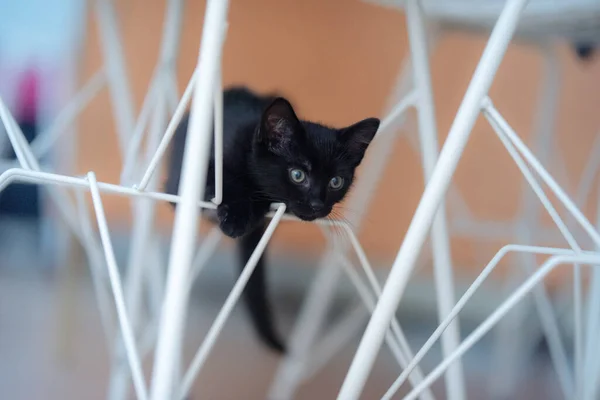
(346, 208)
(336, 229)
(365, 219)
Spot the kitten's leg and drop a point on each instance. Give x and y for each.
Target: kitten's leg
(238, 217)
(256, 294)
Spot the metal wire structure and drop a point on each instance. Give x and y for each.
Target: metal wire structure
(161, 328)
(474, 101)
(582, 18)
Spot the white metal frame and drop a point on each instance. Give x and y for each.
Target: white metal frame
(137, 335)
(432, 197)
(162, 325)
(473, 101)
(419, 96)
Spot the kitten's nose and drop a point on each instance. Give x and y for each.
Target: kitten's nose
(316, 205)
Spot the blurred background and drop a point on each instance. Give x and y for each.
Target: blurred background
(337, 61)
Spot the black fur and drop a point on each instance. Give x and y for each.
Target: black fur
(264, 146)
(256, 291)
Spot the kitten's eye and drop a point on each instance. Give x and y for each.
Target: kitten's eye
(336, 182)
(297, 175)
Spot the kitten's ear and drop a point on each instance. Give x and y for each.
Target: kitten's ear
(279, 125)
(358, 136)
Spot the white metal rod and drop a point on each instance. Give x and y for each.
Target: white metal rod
(230, 302)
(115, 281)
(31, 160)
(47, 138)
(396, 329)
(130, 161)
(62, 203)
(455, 199)
(547, 317)
(588, 176)
(592, 365)
(335, 340)
(504, 308)
(148, 338)
(120, 91)
(171, 34)
(161, 83)
(489, 268)
(510, 351)
(513, 354)
(432, 196)
(313, 311)
(442, 257)
(60, 199)
(206, 250)
(28, 176)
(156, 278)
(491, 112)
(589, 173)
(12, 131)
(572, 208)
(164, 143)
(138, 259)
(144, 210)
(83, 231)
(307, 326)
(394, 338)
(153, 278)
(319, 296)
(558, 354)
(380, 151)
(193, 179)
(172, 92)
(535, 187)
(218, 109)
(97, 272)
(394, 118)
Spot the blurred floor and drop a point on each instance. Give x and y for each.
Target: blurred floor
(52, 346)
(32, 365)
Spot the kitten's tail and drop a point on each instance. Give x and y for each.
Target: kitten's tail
(256, 292)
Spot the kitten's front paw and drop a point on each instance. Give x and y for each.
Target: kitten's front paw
(234, 221)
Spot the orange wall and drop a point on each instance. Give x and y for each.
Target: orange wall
(337, 61)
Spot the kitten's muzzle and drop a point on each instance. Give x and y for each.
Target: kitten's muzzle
(306, 217)
(310, 214)
(316, 205)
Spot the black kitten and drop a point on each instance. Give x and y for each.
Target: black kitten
(270, 156)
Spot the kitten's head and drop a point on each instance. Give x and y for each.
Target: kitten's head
(305, 165)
